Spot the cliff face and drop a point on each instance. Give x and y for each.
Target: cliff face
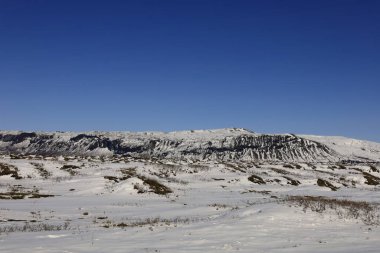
(223, 144)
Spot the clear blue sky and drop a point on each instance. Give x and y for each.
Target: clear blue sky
(270, 66)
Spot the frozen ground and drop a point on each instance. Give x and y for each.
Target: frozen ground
(115, 204)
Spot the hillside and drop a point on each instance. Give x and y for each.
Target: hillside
(222, 144)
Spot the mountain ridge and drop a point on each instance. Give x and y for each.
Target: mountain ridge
(228, 144)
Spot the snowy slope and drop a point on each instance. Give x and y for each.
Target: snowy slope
(351, 148)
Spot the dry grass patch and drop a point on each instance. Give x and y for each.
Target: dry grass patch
(34, 227)
(153, 184)
(18, 192)
(7, 169)
(147, 222)
(72, 169)
(345, 209)
(41, 170)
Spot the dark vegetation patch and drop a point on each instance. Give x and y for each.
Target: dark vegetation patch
(256, 191)
(170, 171)
(326, 172)
(234, 167)
(72, 169)
(292, 181)
(345, 209)
(342, 167)
(7, 169)
(280, 171)
(256, 179)
(371, 179)
(156, 186)
(325, 183)
(41, 170)
(218, 206)
(126, 174)
(374, 169)
(165, 172)
(153, 184)
(218, 179)
(34, 227)
(139, 189)
(199, 167)
(147, 222)
(17, 220)
(112, 178)
(356, 169)
(353, 162)
(19, 192)
(15, 157)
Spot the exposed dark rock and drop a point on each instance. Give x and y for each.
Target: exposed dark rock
(244, 146)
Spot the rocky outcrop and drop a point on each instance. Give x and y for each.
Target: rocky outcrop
(223, 144)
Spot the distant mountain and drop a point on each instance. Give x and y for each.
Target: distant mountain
(221, 144)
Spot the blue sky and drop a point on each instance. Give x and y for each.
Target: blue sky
(271, 66)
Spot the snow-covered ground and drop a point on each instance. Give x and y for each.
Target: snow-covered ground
(115, 204)
(355, 149)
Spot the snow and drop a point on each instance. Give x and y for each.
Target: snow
(348, 147)
(213, 207)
